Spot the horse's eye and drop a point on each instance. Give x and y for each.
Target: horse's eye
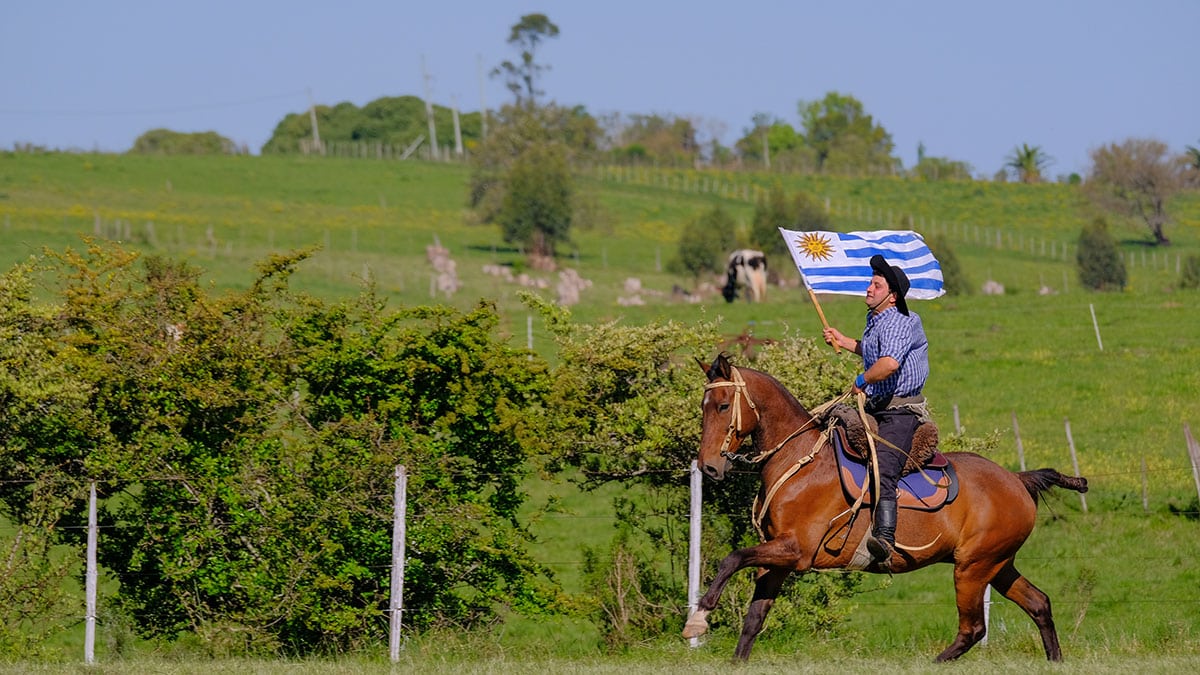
(723, 407)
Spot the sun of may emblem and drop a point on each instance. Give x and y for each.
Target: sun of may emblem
(815, 246)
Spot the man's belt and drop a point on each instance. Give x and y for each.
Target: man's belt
(914, 404)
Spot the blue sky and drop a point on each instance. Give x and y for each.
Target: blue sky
(969, 80)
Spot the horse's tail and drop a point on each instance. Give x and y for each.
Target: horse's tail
(1041, 480)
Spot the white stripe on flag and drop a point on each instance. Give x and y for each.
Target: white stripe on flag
(839, 262)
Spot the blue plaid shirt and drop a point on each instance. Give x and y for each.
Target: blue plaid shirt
(890, 333)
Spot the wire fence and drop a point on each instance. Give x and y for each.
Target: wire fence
(697, 519)
(996, 238)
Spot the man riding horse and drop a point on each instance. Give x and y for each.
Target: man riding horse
(895, 357)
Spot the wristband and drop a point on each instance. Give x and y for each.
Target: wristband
(860, 381)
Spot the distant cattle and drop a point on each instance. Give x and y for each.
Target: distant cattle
(746, 269)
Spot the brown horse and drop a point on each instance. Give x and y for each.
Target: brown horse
(804, 513)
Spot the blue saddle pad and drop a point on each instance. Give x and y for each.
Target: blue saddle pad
(926, 490)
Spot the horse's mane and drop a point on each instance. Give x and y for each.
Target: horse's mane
(787, 393)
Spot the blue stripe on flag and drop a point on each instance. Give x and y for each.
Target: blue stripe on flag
(921, 269)
(925, 283)
(890, 253)
(884, 239)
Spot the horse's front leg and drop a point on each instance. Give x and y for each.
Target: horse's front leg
(778, 553)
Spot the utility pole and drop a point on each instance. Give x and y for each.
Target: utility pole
(482, 105)
(433, 143)
(312, 116)
(458, 146)
(766, 149)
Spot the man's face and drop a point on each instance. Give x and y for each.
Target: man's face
(878, 294)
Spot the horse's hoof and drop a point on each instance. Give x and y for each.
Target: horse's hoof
(696, 626)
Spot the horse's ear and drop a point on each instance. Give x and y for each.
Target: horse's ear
(720, 368)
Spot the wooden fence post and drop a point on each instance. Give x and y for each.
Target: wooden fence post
(396, 607)
(694, 544)
(1075, 461)
(1020, 448)
(89, 636)
(1193, 449)
(1145, 487)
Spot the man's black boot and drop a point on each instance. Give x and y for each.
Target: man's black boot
(882, 542)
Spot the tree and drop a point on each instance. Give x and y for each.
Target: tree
(1136, 179)
(43, 403)
(704, 244)
(521, 77)
(776, 144)
(167, 142)
(392, 120)
(1027, 163)
(939, 168)
(1100, 264)
(954, 278)
(1189, 276)
(1192, 159)
(801, 213)
(665, 141)
(845, 138)
(942, 168)
(536, 210)
(523, 136)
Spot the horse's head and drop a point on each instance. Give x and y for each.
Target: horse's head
(729, 416)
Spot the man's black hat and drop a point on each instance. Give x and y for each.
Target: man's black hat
(896, 279)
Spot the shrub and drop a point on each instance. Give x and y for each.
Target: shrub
(802, 213)
(1190, 275)
(1100, 264)
(167, 142)
(245, 445)
(954, 279)
(704, 244)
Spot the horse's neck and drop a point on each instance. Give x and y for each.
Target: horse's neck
(806, 452)
(782, 416)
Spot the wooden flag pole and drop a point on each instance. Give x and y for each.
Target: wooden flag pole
(836, 348)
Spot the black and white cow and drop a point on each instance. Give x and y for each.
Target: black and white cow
(746, 269)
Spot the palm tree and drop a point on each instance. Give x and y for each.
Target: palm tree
(1193, 157)
(1028, 163)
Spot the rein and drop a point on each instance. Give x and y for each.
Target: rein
(759, 511)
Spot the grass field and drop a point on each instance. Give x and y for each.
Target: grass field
(1123, 576)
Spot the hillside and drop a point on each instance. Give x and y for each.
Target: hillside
(1024, 353)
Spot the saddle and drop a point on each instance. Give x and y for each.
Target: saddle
(927, 481)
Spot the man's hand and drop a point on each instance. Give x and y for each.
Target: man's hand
(833, 337)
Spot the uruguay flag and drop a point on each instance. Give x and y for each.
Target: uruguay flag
(839, 262)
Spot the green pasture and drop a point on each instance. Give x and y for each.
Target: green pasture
(1123, 576)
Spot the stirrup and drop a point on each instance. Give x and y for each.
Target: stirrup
(881, 551)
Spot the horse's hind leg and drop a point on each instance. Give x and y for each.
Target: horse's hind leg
(970, 581)
(1036, 604)
(766, 589)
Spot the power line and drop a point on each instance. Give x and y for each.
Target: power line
(150, 111)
